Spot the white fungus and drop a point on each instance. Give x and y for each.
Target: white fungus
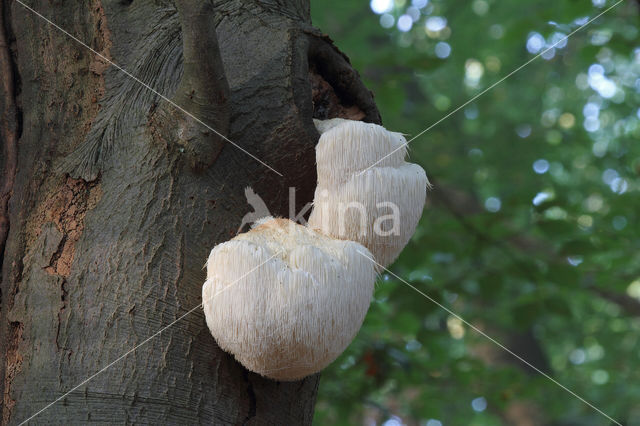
(286, 300)
(377, 206)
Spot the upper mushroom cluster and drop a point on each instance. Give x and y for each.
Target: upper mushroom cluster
(366, 191)
(286, 299)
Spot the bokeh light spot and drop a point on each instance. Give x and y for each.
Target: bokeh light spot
(479, 404)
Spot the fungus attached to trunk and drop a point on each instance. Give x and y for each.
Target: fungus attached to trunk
(286, 300)
(366, 190)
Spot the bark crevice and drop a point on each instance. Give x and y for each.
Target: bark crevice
(9, 123)
(13, 360)
(251, 395)
(10, 130)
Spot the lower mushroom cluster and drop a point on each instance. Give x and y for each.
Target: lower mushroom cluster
(286, 299)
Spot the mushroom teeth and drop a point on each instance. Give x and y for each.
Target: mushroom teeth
(285, 300)
(363, 180)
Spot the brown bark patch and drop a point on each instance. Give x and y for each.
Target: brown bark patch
(13, 366)
(98, 65)
(103, 42)
(326, 103)
(74, 75)
(66, 207)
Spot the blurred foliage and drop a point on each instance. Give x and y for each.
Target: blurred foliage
(532, 231)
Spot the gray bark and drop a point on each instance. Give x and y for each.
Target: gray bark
(111, 212)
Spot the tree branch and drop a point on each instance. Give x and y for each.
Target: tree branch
(628, 304)
(203, 90)
(460, 203)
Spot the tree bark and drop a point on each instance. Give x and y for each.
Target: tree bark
(119, 196)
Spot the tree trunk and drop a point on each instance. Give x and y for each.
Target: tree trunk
(113, 196)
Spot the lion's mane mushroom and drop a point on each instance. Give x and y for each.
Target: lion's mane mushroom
(377, 206)
(286, 300)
